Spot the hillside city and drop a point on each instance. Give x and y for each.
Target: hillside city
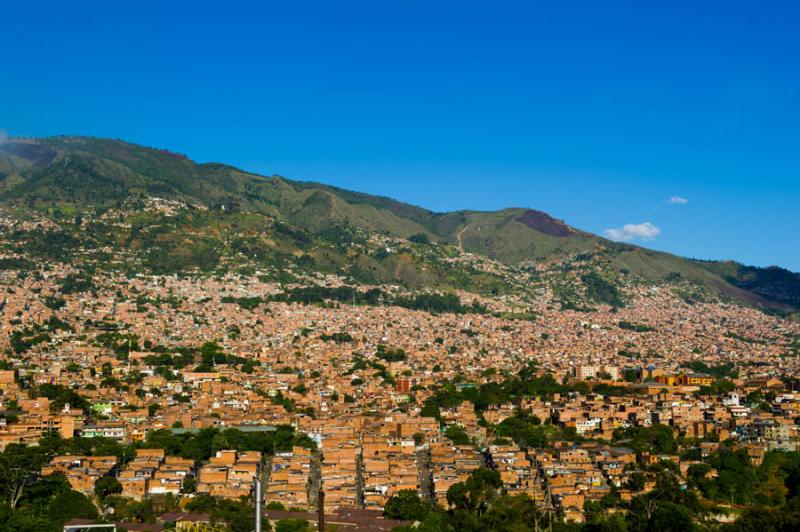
(158, 400)
(369, 266)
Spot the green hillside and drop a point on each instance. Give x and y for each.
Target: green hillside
(232, 213)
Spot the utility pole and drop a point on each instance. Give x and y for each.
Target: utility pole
(321, 511)
(535, 509)
(257, 498)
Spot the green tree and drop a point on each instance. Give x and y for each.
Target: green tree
(275, 505)
(405, 504)
(769, 519)
(293, 525)
(19, 468)
(457, 435)
(636, 481)
(477, 493)
(107, 486)
(70, 504)
(510, 513)
(189, 485)
(657, 439)
(736, 478)
(606, 523)
(202, 502)
(648, 514)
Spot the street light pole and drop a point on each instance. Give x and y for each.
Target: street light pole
(257, 497)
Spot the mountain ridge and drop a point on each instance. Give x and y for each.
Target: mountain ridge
(68, 175)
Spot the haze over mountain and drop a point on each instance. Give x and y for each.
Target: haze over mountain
(65, 177)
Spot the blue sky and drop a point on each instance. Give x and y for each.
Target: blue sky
(596, 112)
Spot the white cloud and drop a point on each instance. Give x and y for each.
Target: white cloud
(678, 200)
(629, 232)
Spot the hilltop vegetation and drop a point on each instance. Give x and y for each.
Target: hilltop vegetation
(116, 204)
